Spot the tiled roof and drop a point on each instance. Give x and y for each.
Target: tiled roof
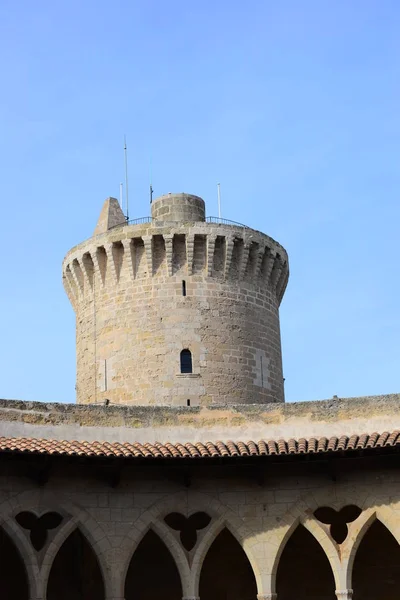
(218, 449)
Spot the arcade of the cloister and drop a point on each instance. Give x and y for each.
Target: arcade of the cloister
(223, 532)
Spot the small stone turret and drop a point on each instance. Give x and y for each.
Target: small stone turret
(184, 208)
(176, 310)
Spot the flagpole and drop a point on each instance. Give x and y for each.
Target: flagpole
(126, 179)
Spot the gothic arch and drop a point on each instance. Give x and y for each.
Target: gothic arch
(182, 502)
(25, 551)
(94, 536)
(74, 541)
(320, 535)
(138, 533)
(143, 577)
(351, 544)
(304, 569)
(371, 510)
(386, 516)
(206, 543)
(14, 565)
(40, 501)
(376, 563)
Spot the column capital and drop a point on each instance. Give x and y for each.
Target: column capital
(344, 594)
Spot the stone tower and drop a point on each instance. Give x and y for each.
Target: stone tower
(176, 310)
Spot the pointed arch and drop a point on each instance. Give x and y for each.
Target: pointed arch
(152, 571)
(376, 566)
(304, 570)
(14, 582)
(25, 552)
(226, 571)
(131, 542)
(207, 541)
(75, 571)
(319, 533)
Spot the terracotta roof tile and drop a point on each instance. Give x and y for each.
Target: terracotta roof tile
(393, 437)
(302, 446)
(262, 447)
(199, 450)
(242, 449)
(253, 450)
(312, 444)
(233, 451)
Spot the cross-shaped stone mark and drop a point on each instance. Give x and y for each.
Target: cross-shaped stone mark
(188, 526)
(38, 526)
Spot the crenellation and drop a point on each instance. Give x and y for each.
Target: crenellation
(252, 262)
(199, 253)
(100, 259)
(281, 282)
(70, 286)
(110, 269)
(148, 247)
(276, 271)
(258, 261)
(229, 245)
(211, 239)
(219, 256)
(268, 263)
(117, 253)
(77, 276)
(161, 249)
(88, 269)
(179, 258)
(244, 259)
(223, 256)
(129, 257)
(190, 252)
(139, 259)
(236, 258)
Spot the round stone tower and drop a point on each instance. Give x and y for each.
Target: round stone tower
(176, 310)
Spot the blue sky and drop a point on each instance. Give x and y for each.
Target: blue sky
(293, 106)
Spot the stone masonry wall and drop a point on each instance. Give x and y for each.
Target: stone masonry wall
(133, 319)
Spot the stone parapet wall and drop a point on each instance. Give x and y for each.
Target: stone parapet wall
(181, 424)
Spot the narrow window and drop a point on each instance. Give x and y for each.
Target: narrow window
(187, 402)
(186, 361)
(183, 288)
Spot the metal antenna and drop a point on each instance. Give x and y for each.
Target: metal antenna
(126, 179)
(219, 199)
(151, 184)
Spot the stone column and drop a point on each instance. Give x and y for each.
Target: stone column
(267, 597)
(344, 594)
(191, 598)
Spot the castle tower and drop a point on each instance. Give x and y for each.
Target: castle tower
(176, 310)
